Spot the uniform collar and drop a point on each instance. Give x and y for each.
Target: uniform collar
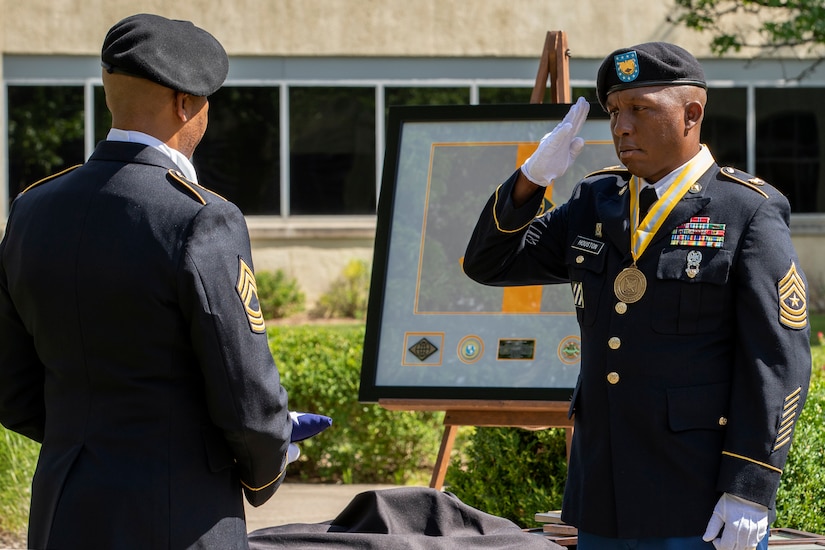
(185, 165)
(665, 182)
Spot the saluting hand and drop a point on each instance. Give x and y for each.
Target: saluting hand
(559, 148)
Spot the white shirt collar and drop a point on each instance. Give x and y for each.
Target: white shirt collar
(116, 134)
(665, 182)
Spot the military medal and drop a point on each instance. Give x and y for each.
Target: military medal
(630, 285)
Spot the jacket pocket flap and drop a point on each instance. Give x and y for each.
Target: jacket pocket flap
(698, 407)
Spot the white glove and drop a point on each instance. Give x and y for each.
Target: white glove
(741, 522)
(292, 453)
(558, 149)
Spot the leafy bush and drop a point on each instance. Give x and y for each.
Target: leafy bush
(801, 496)
(515, 473)
(320, 368)
(278, 294)
(347, 295)
(18, 457)
(511, 472)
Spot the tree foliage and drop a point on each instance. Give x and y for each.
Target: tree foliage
(759, 27)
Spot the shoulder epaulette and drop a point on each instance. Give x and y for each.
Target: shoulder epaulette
(617, 170)
(195, 190)
(751, 182)
(50, 178)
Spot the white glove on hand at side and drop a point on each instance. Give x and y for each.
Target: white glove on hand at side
(558, 149)
(742, 523)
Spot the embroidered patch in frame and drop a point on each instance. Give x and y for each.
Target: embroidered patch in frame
(248, 292)
(793, 308)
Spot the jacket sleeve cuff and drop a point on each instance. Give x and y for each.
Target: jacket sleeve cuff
(749, 478)
(508, 218)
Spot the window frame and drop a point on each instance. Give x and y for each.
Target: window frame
(286, 224)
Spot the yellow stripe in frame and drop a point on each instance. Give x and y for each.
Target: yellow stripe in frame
(524, 299)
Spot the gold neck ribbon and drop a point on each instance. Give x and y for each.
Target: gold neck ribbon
(643, 231)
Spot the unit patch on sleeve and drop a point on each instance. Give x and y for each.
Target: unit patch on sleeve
(793, 309)
(248, 292)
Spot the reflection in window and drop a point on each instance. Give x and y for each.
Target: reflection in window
(426, 96)
(788, 144)
(332, 150)
(724, 129)
(45, 126)
(102, 116)
(239, 157)
(497, 96)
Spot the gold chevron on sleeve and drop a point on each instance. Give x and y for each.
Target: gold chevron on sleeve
(793, 308)
(790, 412)
(248, 291)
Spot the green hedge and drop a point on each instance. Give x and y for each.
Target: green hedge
(509, 472)
(515, 473)
(18, 457)
(800, 501)
(320, 367)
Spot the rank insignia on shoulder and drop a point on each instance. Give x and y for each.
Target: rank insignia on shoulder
(793, 309)
(745, 179)
(197, 191)
(617, 170)
(248, 292)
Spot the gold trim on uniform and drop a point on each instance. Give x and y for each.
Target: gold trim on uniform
(191, 186)
(248, 291)
(739, 177)
(793, 310)
(789, 415)
(262, 487)
(50, 178)
(740, 457)
(495, 216)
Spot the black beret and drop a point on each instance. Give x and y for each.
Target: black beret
(172, 53)
(649, 64)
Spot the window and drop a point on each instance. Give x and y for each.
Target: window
(239, 157)
(724, 127)
(788, 145)
(332, 152)
(319, 153)
(45, 132)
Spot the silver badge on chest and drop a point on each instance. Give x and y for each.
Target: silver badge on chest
(694, 258)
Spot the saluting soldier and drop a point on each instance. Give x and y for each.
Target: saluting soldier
(132, 343)
(692, 309)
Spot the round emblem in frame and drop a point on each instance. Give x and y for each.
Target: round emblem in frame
(470, 349)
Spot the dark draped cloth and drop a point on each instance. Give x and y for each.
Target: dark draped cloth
(404, 518)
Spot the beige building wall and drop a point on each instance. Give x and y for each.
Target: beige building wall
(474, 28)
(316, 251)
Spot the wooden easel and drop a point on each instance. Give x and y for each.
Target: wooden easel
(532, 415)
(555, 64)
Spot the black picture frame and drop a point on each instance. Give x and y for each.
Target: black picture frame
(466, 138)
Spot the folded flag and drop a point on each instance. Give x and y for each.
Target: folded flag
(306, 425)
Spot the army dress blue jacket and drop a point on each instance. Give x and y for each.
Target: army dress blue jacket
(132, 346)
(694, 389)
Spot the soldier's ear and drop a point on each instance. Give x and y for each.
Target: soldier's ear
(694, 112)
(180, 105)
